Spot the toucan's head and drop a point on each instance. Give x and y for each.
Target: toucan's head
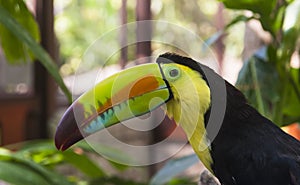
(176, 81)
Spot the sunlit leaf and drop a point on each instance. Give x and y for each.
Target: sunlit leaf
(45, 153)
(292, 16)
(41, 152)
(5, 155)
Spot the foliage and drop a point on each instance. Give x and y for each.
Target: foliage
(19, 39)
(36, 162)
(21, 168)
(267, 78)
(77, 31)
(15, 50)
(78, 24)
(258, 72)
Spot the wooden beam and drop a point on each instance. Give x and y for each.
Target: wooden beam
(45, 87)
(143, 30)
(123, 35)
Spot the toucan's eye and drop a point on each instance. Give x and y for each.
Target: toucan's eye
(172, 73)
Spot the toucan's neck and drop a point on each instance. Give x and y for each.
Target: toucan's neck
(193, 125)
(188, 107)
(199, 141)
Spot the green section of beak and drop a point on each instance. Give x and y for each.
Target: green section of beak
(123, 96)
(127, 94)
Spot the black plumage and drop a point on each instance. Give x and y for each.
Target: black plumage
(249, 149)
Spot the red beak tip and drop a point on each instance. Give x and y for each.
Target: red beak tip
(67, 131)
(60, 147)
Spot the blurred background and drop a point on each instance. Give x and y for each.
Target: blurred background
(33, 99)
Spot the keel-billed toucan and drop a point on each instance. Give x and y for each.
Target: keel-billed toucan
(248, 149)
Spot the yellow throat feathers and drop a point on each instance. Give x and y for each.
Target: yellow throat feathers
(191, 99)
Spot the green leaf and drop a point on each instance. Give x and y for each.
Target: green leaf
(17, 169)
(255, 6)
(84, 164)
(271, 12)
(291, 108)
(20, 174)
(173, 168)
(256, 80)
(289, 43)
(5, 154)
(35, 145)
(44, 152)
(14, 49)
(277, 101)
(20, 32)
(50, 176)
(238, 19)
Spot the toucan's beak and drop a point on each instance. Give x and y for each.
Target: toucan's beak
(127, 94)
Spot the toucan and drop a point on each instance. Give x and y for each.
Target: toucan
(241, 148)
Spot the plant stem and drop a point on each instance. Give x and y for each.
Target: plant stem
(278, 116)
(260, 105)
